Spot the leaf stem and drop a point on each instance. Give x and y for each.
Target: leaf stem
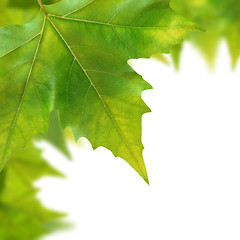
(42, 7)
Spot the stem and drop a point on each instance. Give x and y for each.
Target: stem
(42, 7)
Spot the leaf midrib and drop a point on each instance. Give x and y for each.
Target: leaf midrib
(99, 95)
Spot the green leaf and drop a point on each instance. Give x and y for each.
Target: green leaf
(13, 15)
(29, 4)
(220, 18)
(176, 55)
(19, 11)
(74, 59)
(22, 216)
(55, 135)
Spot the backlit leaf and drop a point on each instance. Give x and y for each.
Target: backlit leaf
(220, 18)
(22, 216)
(74, 59)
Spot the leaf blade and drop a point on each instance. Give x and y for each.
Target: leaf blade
(80, 68)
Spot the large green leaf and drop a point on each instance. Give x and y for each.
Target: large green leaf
(220, 18)
(74, 59)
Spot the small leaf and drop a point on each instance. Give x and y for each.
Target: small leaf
(22, 216)
(29, 4)
(176, 55)
(12, 15)
(55, 135)
(221, 19)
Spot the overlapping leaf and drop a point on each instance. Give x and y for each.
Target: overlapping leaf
(29, 4)
(74, 59)
(14, 15)
(19, 11)
(22, 216)
(220, 18)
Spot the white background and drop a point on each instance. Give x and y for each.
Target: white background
(192, 153)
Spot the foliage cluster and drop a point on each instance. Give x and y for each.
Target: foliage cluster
(66, 66)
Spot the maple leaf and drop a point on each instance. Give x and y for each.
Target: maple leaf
(73, 57)
(221, 19)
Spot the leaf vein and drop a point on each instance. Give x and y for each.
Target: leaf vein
(12, 50)
(23, 94)
(124, 26)
(99, 95)
(87, 4)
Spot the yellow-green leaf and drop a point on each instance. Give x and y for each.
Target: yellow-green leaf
(22, 216)
(220, 18)
(73, 57)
